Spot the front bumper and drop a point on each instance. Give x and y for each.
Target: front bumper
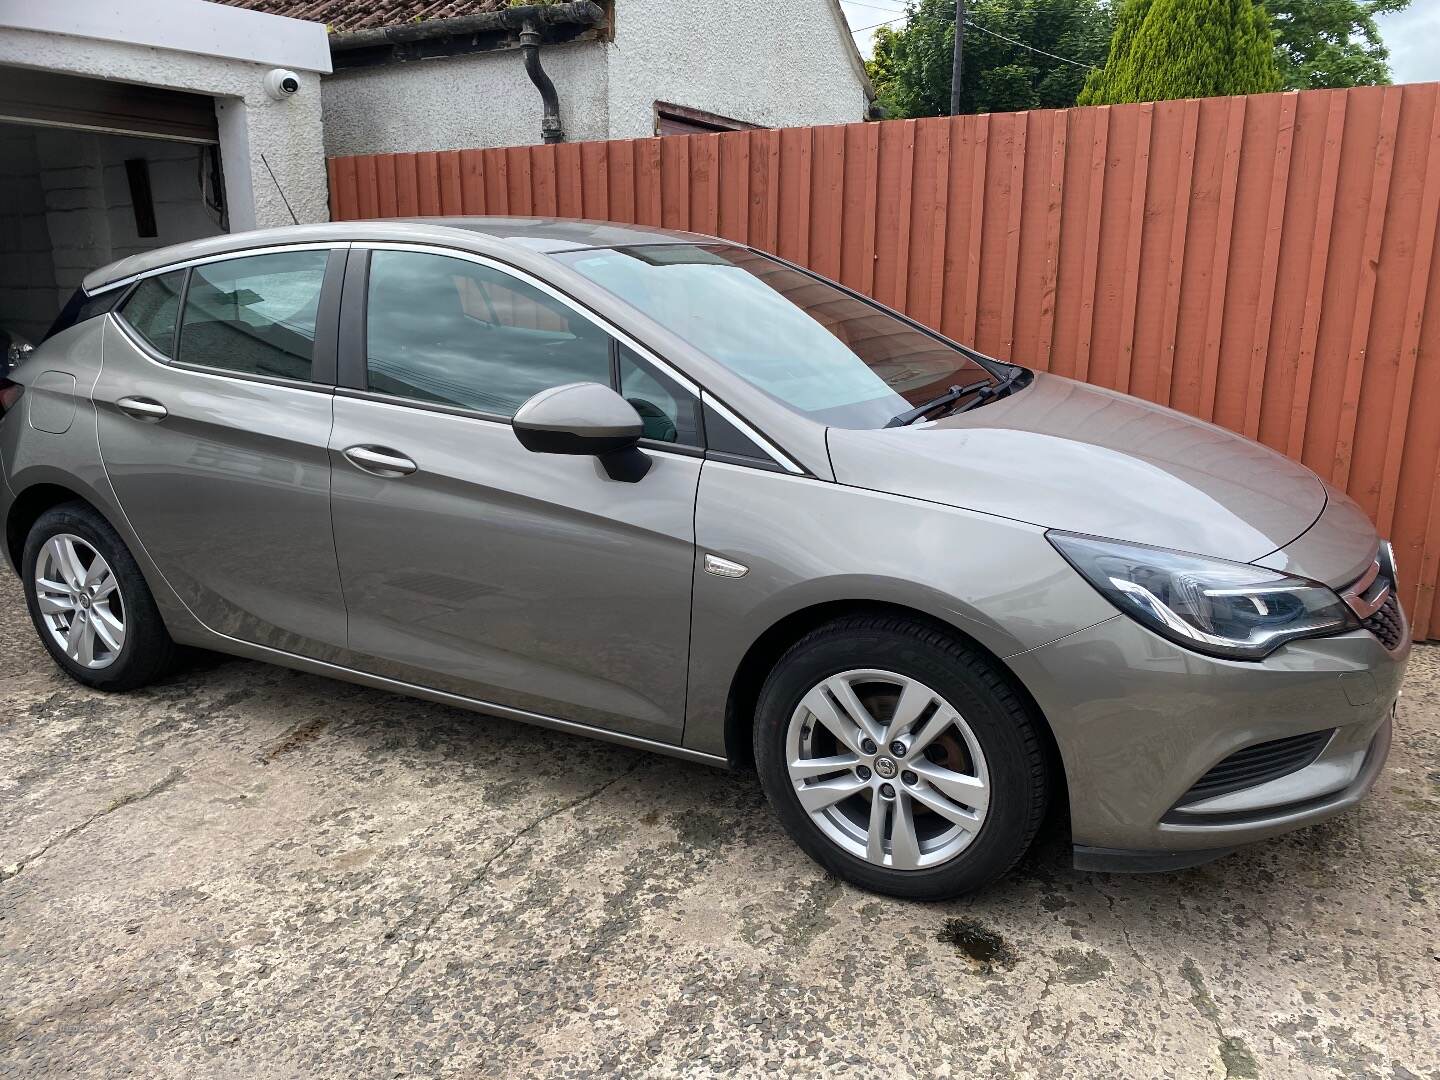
(1139, 720)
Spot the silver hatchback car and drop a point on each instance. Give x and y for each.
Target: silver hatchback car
(673, 492)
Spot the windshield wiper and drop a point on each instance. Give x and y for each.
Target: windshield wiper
(955, 393)
(991, 391)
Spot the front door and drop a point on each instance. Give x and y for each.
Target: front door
(214, 435)
(474, 566)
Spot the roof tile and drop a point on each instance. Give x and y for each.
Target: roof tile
(340, 16)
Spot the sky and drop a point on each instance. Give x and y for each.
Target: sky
(1413, 35)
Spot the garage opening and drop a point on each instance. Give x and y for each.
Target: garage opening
(92, 171)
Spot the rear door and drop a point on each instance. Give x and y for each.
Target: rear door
(470, 564)
(214, 407)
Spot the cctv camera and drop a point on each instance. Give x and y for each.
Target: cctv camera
(281, 84)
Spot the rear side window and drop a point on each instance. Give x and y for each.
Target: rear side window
(454, 332)
(151, 309)
(254, 315)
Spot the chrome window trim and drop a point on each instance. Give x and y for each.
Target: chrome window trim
(686, 383)
(243, 253)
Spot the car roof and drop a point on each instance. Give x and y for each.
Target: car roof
(545, 236)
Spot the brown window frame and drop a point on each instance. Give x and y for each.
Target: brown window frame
(699, 120)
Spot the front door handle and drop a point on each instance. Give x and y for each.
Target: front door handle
(380, 461)
(141, 408)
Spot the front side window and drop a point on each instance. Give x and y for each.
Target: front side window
(254, 315)
(151, 309)
(454, 332)
(815, 348)
(670, 413)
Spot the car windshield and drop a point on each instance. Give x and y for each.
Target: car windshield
(812, 346)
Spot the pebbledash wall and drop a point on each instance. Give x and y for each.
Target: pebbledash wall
(767, 62)
(1266, 263)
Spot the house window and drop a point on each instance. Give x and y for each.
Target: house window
(673, 119)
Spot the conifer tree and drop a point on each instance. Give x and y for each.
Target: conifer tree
(1164, 49)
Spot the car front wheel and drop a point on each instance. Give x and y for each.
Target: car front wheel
(900, 758)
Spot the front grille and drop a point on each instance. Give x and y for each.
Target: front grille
(1258, 764)
(1387, 624)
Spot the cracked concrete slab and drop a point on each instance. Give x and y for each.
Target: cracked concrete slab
(251, 872)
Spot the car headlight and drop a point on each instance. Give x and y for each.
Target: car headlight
(1227, 609)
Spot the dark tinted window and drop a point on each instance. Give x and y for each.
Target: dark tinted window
(670, 413)
(457, 333)
(254, 315)
(150, 310)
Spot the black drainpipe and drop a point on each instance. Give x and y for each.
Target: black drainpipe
(551, 129)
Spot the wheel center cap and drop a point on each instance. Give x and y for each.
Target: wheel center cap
(84, 601)
(886, 768)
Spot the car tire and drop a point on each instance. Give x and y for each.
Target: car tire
(146, 651)
(995, 751)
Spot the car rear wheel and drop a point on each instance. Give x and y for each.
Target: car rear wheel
(899, 758)
(89, 602)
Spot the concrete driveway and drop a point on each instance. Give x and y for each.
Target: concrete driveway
(253, 873)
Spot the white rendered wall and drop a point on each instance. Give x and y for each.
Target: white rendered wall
(777, 63)
(463, 102)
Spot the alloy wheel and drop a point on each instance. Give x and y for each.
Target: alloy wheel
(887, 769)
(80, 602)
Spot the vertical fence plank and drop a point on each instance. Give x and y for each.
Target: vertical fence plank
(857, 245)
(705, 183)
(1010, 276)
(1175, 267)
(1365, 299)
(1270, 262)
(594, 180)
(569, 190)
(926, 281)
(1130, 295)
(1055, 200)
(734, 223)
(827, 200)
(367, 187)
(543, 181)
(343, 184)
(1315, 286)
(1220, 257)
(1098, 166)
(427, 183)
(620, 163)
(472, 182)
(451, 199)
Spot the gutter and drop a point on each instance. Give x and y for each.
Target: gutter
(529, 26)
(581, 13)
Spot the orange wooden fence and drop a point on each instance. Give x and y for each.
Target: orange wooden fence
(1264, 262)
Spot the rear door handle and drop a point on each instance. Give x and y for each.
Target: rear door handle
(379, 461)
(147, 409)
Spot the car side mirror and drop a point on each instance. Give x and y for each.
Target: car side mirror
(585, 418)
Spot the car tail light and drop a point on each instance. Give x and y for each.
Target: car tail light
(9, 395)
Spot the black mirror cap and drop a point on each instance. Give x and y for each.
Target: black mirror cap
(540, 441)
(583, 419)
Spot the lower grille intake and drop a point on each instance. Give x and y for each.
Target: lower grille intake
(1258, 764)
(1387, 624)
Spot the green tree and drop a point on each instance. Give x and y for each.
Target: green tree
(911, 66)
(1331, 43)
(1165, 49)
